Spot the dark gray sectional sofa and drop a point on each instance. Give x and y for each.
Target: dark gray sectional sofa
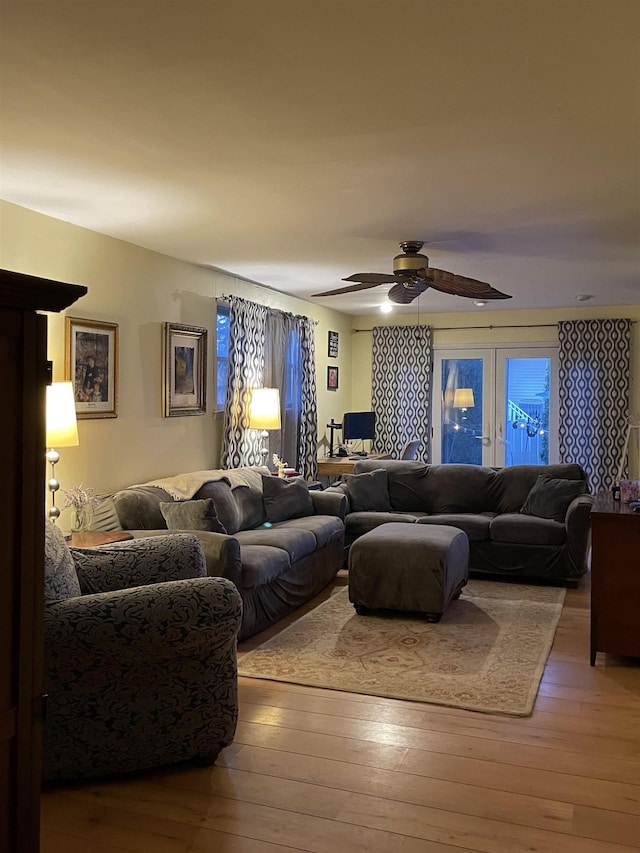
(525, 521)
(279, 542)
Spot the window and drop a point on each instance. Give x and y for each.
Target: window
(222, 353)
(496, 406)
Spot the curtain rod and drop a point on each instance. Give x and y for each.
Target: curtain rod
(521, 326)
(227, 297)
(464, 328)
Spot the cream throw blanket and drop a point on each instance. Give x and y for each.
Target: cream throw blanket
(182, 487)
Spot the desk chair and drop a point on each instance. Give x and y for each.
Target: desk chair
(410, 450)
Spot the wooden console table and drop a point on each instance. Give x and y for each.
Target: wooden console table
(93, 538)
(336, 465)
(615, 578)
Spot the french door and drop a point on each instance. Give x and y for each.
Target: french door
(496, 405)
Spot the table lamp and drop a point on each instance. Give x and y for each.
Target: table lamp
(62, 431)
(264, 414)
(463, 399)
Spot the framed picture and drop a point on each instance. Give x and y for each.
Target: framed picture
(184, 384)
(333, 344)
(91, 363)
(332, 378)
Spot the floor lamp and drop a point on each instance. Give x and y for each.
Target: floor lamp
(264, 414)
(62, 431)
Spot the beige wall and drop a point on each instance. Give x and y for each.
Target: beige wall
(528, 326)
(140, 290)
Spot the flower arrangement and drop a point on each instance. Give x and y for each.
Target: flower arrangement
(81, 502)
(280, 465)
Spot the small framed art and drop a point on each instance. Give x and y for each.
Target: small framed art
(332, 378)
(91, 364)
(333, 344)
(185, 370)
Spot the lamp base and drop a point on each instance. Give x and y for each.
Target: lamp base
(52, 456)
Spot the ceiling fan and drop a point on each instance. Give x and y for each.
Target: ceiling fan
(412, 275)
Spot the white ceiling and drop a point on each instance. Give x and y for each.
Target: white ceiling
(294, 142)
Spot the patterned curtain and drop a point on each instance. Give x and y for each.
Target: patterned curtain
(247, 322)
(594, 395)
(401, 388)
(308, 419)
(276, 350)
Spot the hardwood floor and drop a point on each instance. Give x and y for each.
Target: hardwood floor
(328, 772)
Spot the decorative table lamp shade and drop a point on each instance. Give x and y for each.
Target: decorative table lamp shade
(62, 431)
(463, 398)
(264, 413)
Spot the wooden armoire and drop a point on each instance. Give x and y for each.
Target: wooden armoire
(24, 373)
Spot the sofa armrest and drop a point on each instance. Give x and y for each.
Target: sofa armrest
(329, 502)
(222, 552)
(154, 624)
(121, 565)
(577, 525)
(340, 489)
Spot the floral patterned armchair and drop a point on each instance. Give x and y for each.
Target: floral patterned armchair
(140, 656)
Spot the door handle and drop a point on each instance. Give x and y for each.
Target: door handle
(485, 439)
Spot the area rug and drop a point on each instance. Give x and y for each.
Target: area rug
(487, 653)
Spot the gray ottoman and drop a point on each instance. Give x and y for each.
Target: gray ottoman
(415, 567)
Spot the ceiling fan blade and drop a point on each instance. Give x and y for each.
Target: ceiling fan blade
(352, 288)
(373, 277)
(403, 295)
(460, 285)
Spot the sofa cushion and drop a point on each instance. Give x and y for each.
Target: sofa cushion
(297, 543)
(476, 526)
(262, 564)
(138, 507)
(519, 529)
(550, 497)
(358, 523)
(408, 487)
(60, 578)
(369, 492)
(226, 507)
(192, 515)
(285, 498)
(325, 528)
(454, 488)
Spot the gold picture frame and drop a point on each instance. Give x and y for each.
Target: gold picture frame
(184, 377)
(91, 364)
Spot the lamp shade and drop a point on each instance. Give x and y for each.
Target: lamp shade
(463, 398)
(264, 408)
(62, 428)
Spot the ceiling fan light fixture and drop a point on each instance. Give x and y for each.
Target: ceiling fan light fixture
(479, 302)
(410, 261)
(386, 308)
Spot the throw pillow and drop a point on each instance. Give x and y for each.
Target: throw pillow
(550, 497)
(192, 515)
(285, 498)
(369, 492)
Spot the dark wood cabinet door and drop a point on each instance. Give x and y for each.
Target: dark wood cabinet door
(23, 368)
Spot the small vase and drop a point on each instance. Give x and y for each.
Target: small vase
(281, 473)
(81, 518)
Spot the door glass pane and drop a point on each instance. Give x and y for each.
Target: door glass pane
(462, 410)
(527, 411)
